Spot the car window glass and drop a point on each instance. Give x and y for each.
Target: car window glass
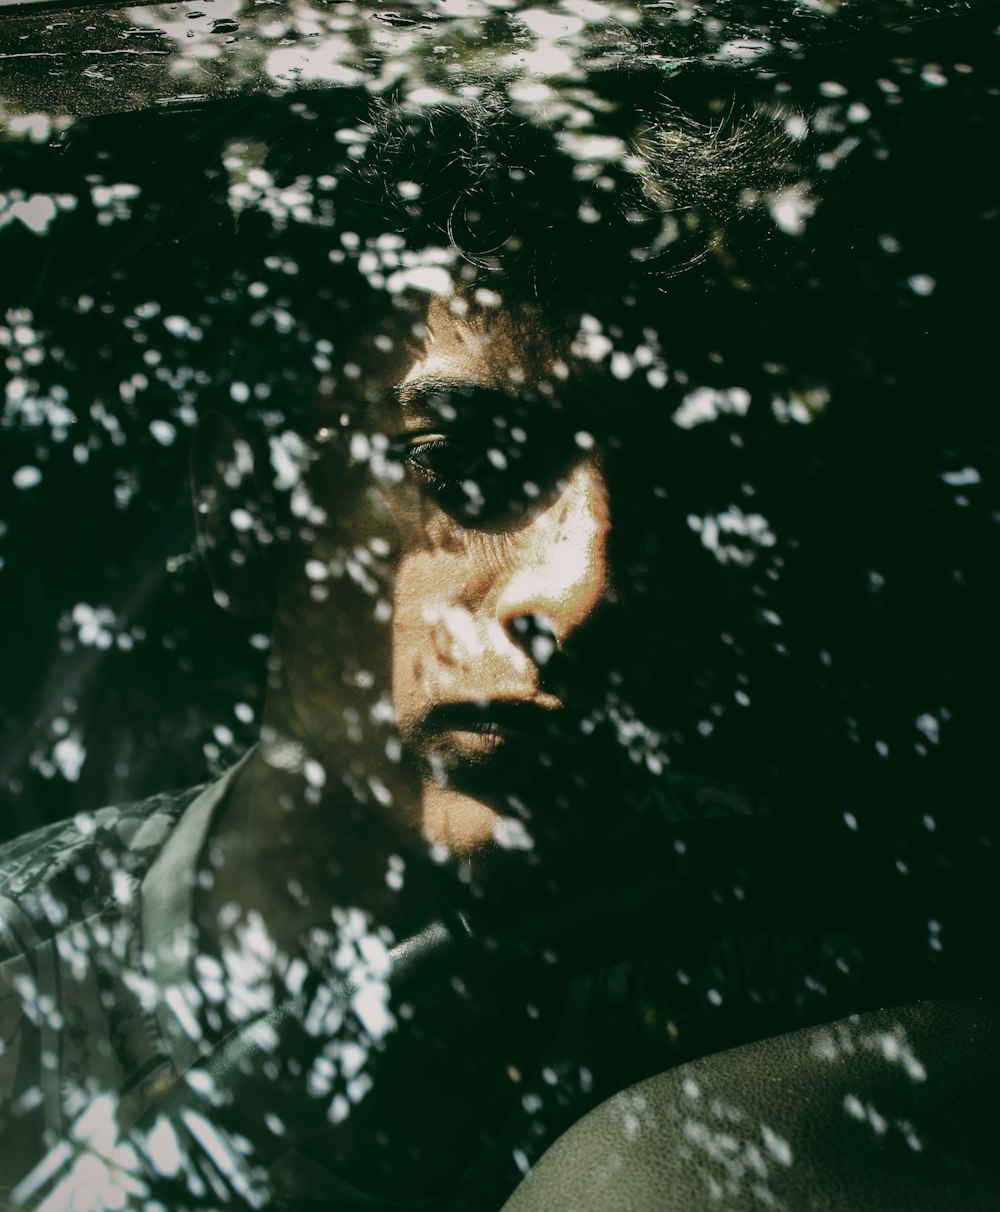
(498, 561)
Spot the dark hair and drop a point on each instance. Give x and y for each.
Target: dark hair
(595, 216)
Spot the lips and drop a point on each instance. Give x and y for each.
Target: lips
(483, 728)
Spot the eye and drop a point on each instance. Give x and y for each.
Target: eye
(471, 477)
(440, 462)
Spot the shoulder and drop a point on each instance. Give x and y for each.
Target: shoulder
(75, 868)
(886, 1109)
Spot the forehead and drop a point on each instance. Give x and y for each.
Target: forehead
(491, 342)
(510, 349)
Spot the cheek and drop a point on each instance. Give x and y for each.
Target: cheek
(335, 592)
(420, 600)
(333, 629)
(342, 571)
(437, 624)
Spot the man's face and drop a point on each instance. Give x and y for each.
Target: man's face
(439, 635)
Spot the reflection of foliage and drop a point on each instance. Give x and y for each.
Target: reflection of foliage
(134, 57)
(773, 308)
(428, 52)
(831, 294)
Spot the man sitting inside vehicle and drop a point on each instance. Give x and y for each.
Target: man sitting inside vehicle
(450, 482)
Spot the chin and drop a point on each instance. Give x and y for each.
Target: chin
(456, 823)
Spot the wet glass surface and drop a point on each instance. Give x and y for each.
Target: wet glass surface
(529, 473)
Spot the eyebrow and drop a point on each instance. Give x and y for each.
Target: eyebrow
(411, 395)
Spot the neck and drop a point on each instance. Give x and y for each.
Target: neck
(290, 852)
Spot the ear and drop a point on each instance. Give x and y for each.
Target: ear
(231, 520)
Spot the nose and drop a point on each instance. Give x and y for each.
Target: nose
(558, 572)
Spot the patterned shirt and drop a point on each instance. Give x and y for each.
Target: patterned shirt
(95, 941)
(103, 1012)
